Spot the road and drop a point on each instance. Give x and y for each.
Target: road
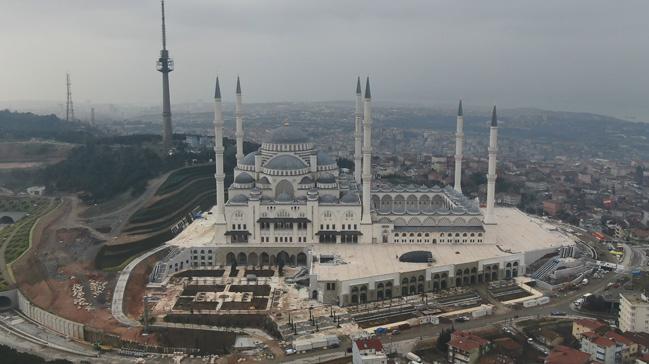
(407, 340)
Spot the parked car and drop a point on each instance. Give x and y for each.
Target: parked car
(558, 313)
(290, 351)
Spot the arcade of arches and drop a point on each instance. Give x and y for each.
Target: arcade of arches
(416, 282)
(265, 258)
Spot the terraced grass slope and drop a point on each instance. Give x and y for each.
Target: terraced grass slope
(14, 239)
(186, 191)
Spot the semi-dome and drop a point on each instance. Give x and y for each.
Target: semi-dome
(287, 134)
(239, 199)
(349, 197)
(326, 178)
(244, 178)
(328, 199)
(306, 180)
(285, 162)
(249, 159)
(325, 159)
(263, 181)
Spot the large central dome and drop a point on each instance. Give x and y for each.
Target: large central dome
(287, 134)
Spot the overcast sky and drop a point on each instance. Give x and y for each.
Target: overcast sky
(578, 55)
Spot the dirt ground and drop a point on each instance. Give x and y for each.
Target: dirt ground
(136, 286)
(62, 256)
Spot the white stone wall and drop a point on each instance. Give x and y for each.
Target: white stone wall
(64, 326)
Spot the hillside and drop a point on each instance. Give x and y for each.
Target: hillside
(21, 126)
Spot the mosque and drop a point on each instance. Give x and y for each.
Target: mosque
(358, 240)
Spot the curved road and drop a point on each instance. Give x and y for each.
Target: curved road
(117, 305)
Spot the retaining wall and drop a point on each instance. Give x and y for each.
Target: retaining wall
(59, 324)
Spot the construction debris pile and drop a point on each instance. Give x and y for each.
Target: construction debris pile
(80, 297)
(96, 287)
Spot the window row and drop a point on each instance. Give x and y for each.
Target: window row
(343, 227)
(450, 235)
(435, 241)
(283, 239)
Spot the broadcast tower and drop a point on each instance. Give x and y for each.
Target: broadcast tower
(165, 65)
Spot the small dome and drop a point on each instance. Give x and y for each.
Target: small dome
(263, 181)
(350, 197)
(285, 162)
(306, 180)
(417, 256)
(249, 159)
(244, 178)
(287, 134)
(328, 199)
(326, 178)
(324, 159)
(239, 199)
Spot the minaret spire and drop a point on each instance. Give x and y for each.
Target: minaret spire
(239, 122)
(218, 153)
(366, 218)
(358, 136)
(459, 146)
(165, 65)
(491, 173)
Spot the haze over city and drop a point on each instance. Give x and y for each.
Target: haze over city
(581, 55)
(386, 182)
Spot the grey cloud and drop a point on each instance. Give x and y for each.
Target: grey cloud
(581, 55)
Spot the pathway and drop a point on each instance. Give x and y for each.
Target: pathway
(117, 306)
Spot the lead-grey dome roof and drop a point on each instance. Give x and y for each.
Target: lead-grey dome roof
(326, 178)
(239, 199)
(328, 199)
(287, 134)
(264, 180)
(349, 197)
(325, 159)
(285, 162)
(249, 159)
(244, 178)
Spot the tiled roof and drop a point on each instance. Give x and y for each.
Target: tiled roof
(566, 355)
(466, 341)
(591, 324)
(372, 343)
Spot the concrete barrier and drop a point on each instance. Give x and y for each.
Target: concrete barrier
(59, 324)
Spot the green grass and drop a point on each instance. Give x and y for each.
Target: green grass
(23, 204)
(181, 176)
(21, 231)
(34, 208)
(170, 205)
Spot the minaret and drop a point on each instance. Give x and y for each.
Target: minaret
(165, 65)
(239, 121)
(491, 174)
(218, 151)
(367, 154)
(459, 145)
(358, 137)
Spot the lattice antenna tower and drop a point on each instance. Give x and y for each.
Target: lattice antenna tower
(69, 107)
